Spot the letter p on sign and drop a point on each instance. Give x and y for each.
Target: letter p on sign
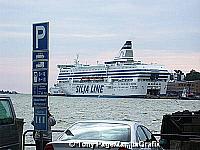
(41, 36)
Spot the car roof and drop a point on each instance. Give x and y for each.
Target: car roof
(4, 96)
(131, 123)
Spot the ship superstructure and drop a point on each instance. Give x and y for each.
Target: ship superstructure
(121, 77)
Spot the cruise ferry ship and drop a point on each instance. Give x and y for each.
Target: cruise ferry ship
(121, 77)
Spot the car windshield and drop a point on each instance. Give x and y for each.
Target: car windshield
(98, 131)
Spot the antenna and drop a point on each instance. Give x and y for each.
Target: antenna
(76, 60)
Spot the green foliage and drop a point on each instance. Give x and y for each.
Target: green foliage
(193, 75)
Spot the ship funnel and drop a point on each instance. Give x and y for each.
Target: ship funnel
(126, 52)
(127, 45)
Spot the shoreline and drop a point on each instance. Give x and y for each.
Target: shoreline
(8, 92)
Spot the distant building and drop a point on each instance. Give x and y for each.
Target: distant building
(177, 87)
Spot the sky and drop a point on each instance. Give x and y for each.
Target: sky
(165, 32)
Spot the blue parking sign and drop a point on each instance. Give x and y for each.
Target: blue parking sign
(40, 67)
(40, 76)
(40, 101)
(40, 89)
(41, 36)
(40, 118)
(40, 55)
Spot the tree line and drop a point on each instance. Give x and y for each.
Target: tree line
(192, 75)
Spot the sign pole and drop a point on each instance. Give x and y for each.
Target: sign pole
(40, 70)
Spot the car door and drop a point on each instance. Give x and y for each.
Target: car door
(144, 137)
(148, 134)
(9, 138)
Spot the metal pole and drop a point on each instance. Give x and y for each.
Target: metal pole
(41, 141)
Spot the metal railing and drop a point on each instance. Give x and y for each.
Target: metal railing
(32, 144)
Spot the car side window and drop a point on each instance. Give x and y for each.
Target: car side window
(140, 134)
(6, 116)
(147, 132)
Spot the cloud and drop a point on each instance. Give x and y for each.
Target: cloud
(84, 35)
(10, 25)
(171, 59)
(13, 30)
(14, 34)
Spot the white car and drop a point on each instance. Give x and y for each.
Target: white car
(104, 134)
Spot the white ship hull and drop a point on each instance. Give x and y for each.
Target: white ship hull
(115, 89)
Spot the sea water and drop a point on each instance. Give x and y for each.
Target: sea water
(67, 110)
